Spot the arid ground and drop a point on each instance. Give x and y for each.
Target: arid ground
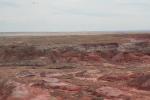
(85, 67)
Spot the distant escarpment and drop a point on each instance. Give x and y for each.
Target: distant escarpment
(42, 55)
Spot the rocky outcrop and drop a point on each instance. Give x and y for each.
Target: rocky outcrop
(136, 47)
(35, 55)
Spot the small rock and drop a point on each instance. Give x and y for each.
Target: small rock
(25, 73)
(51, 80)
(109, 92)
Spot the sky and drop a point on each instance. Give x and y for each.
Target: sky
(74, 15)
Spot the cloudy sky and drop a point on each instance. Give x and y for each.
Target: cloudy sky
(74, 15)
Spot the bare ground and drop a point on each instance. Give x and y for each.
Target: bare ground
(94, 67)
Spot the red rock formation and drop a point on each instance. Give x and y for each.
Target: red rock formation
(30, 55)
